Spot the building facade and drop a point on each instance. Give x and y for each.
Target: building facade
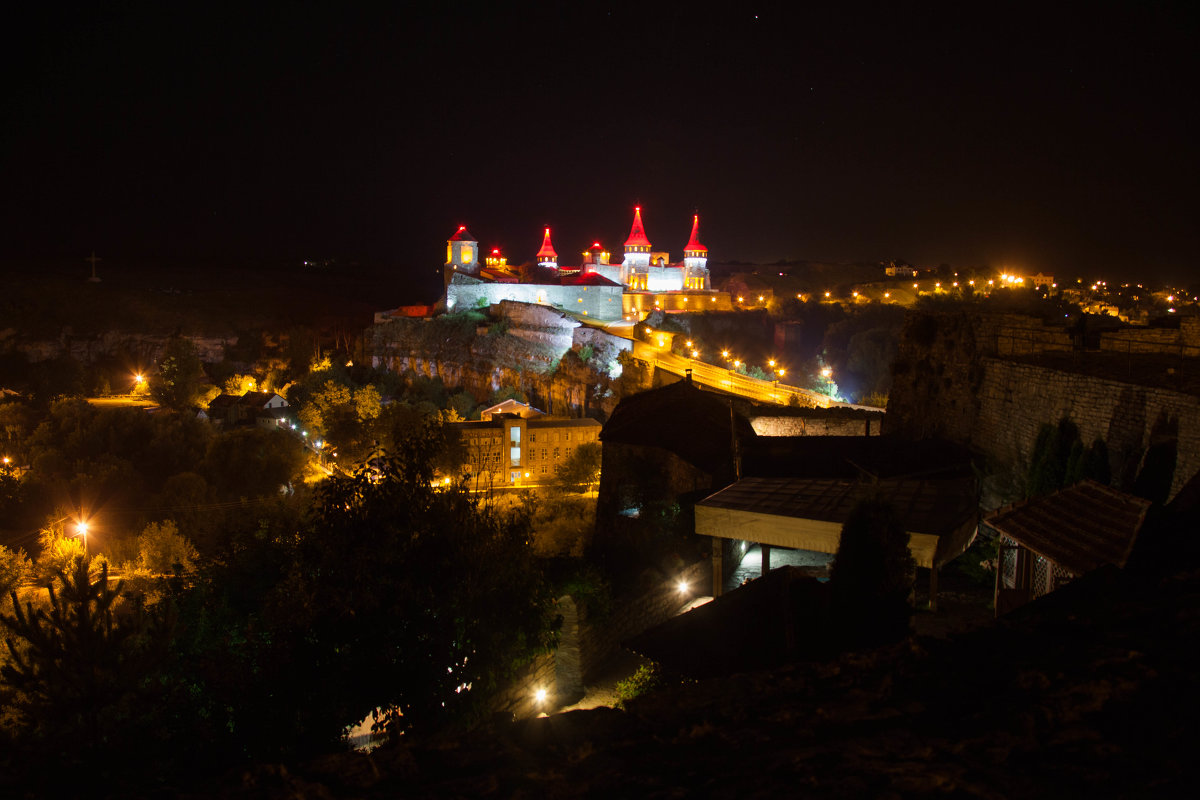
(509, 449)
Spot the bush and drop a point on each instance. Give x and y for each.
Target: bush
(647, 679)
(15, 569)
(163, 551)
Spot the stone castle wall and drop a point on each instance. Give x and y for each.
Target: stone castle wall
(598, 302)
(969, 378)
(1181, 341)
(1016, 399)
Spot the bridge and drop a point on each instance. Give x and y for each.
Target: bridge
(730, 382)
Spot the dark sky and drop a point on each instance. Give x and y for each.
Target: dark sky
(1062, 141)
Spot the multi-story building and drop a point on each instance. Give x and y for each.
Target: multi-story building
(515, 445)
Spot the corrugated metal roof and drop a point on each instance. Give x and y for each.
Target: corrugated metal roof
(1080, 528)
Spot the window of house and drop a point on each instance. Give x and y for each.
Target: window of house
(566, 436)
(556, 454)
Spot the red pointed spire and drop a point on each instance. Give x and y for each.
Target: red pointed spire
(694, 242)
(637, 234)
(547, 251)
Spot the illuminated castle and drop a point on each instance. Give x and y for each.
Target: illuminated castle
(645, 270)
(642, 280)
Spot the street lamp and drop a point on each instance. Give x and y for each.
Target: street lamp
(81, 529)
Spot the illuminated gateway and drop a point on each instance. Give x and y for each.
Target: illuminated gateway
(643, 280)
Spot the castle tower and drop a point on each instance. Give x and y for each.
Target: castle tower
(546, 257)
(462, 251)
(695, 259)
(637, 246)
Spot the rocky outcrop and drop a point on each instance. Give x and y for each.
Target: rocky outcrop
(563, 367)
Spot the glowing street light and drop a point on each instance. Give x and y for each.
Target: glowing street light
(81, 529)
(827, 373)
(682, 586)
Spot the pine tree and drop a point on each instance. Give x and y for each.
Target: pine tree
(76, 664)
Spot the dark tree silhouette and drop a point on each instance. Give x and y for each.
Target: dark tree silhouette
(872, 575)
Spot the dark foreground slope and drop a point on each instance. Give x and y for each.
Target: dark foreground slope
(1090, 692)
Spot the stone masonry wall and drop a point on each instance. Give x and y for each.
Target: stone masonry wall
(1016, 399)
(833, 425)
(1182, 341)
(597, 302)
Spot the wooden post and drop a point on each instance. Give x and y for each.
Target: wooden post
(718, 562)
(933, 588)
(766, 557)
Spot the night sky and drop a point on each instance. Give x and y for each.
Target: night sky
(1061, 141)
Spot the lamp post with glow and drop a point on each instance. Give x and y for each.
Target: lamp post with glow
(81, 529)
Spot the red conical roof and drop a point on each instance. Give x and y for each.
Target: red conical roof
(547, 250)
(462, 235)
(637, 234)
(694, 242)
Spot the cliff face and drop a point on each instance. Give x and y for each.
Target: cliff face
(563, 367)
